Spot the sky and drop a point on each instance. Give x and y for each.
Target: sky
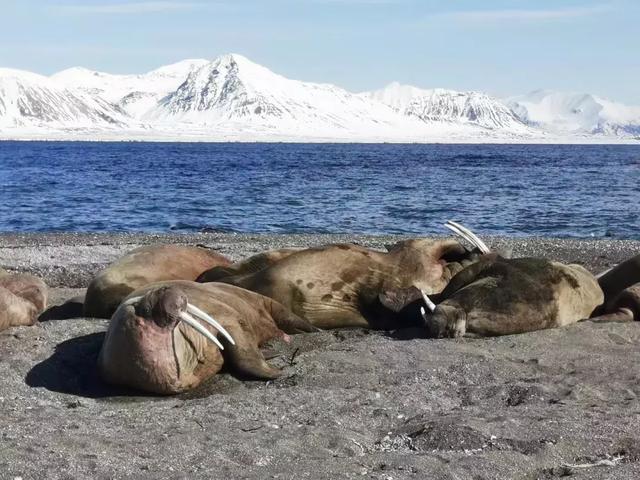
(502, 47)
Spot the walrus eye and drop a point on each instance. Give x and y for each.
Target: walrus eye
(468, 235)
(430, 305)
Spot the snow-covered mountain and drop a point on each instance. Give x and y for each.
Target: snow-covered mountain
(576, 113)
(232, 98)
(440, 105)
(233, 90)
(31, 101)
(135, 94)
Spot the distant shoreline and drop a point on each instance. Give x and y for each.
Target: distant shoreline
(312, 140)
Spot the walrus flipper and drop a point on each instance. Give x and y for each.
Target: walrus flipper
(246, 358)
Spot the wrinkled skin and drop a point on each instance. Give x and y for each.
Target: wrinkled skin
(142, 266)
(22, 298)
(347, 285)
(148, 348)
(498, 296)
(250, 265)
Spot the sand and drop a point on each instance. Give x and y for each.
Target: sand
(351, 403)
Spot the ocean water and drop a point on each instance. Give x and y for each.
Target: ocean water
(542, 190)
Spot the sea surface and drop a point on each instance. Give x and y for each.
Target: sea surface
(539, 190)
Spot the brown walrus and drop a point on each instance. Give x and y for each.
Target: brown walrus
(340, 285)
(252, 264)
(155, 344)
(142, 266)
(22, 298)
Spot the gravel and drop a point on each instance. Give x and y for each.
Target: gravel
(351, 403)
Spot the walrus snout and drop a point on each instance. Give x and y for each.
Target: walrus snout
(164, 306)
(446, 321)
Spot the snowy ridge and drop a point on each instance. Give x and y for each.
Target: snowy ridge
(576, 113)
(232, 89)
(135, 94)
(440, 105)
(28, 100)
(232, 98)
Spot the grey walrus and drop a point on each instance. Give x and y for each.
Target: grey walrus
(143, 266)
(498, 296)
(171, 336)
(22, 298)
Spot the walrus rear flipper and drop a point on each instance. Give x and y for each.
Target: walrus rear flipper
(625, 307)
(620, 277)
(245, 357)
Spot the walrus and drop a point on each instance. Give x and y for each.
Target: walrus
(252, 264)
(143, 266)
(340, 285)
(22, 298)
(498, 296)
(154, 342)
(621, 288)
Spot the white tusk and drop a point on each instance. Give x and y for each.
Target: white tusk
(207, 318)
(430, 305)
(479, 243)
(132, 300)
(189, 320)
(460, 233)
(424, 314)
(467, 235)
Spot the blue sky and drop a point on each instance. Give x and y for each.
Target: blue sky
(502, 47)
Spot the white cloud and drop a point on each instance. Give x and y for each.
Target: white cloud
(494, 16)
(129, 8)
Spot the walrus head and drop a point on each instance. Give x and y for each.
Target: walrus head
(154, 343)
(435, 263)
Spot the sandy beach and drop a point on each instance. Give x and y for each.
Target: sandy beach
(350, 404)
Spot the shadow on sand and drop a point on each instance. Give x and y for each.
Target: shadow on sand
(70, 309)
(72, 369)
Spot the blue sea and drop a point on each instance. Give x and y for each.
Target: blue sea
(542, 190)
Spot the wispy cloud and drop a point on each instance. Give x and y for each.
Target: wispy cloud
(510, 15)
(129, 8)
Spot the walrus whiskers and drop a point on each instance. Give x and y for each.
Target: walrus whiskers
(468, 235)
(207, 318)
(189, 320)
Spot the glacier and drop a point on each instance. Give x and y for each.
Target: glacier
(232, 98)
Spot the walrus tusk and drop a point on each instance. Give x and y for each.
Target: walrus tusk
(460, 233)
(207, 318)
(430, 305)
(189, 320)
(468, 235)
(131, 301)
(481, 245)
(423, 312)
